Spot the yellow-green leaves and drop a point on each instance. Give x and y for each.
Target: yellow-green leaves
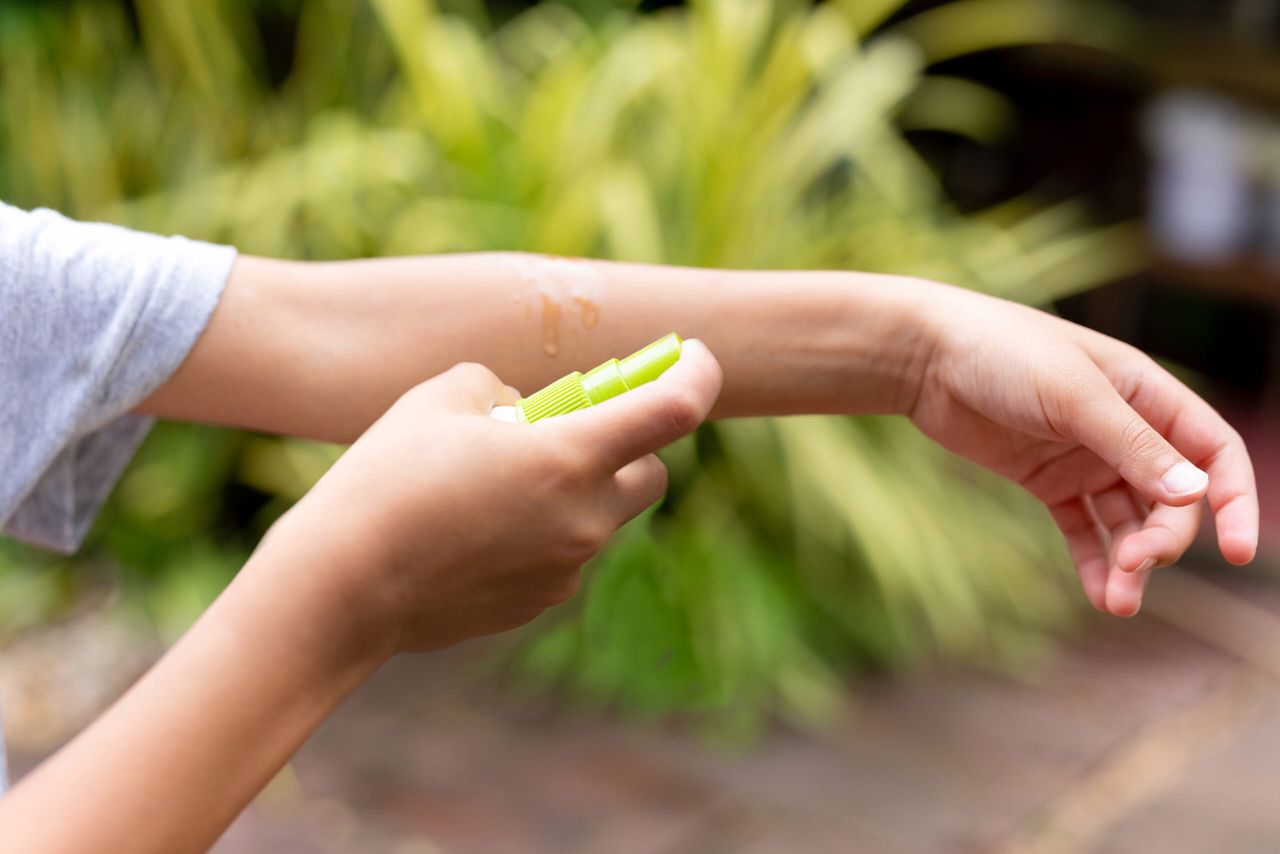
(739, 133)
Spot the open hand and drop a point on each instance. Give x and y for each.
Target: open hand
(1119, 450)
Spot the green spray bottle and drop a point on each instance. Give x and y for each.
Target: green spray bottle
(579, 390)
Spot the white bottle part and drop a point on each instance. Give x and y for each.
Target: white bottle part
(505, 413)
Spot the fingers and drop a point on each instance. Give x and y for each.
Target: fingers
(651, 416)
(1166, 533)
(1233, 494)
(1120, 515)
(1196, 428)
(1068, 474)
(637, 485)
(1085, 543)
(1163, 537)
(1124, 591)
(1105, 423)
(508, 395)
(468, 387)
(1115, 543)
(1199, 432)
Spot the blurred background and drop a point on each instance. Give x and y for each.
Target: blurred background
(830, 636)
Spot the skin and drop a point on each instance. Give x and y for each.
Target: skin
(416, 538)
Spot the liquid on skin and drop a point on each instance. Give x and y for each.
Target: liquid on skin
(550, 325)
(558, 281)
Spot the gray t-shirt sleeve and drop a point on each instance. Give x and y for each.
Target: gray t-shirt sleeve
(93, 318)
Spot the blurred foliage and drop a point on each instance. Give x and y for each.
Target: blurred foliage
(739, 133)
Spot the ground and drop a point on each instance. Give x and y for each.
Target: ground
(1153, 734)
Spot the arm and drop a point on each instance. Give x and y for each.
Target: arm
(320, 350)
(1118, 450)
(394, 550)
(176, 759)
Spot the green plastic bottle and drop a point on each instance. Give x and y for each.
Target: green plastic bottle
(578, 390)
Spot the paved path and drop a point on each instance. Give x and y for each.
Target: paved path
(1156, 734)
(1159, 734)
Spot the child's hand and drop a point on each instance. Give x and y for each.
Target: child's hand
(1093, 428)
(441, 523)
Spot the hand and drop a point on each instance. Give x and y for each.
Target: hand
(441, 523)
(1118, 449)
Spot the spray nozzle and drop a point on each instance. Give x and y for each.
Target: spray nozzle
(578, 391)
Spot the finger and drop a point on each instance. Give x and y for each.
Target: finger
(508, 395)
(1197, 430)
(1233, 497)
(637, 485)
(1104, 422)
(1085, 543)
(1119, 512)
(650, 417)
(469, 387)
(1124, 591)
(1071, 471)
(1207, 438)
(1165, 535)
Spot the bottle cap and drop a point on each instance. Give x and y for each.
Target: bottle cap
(578, 391)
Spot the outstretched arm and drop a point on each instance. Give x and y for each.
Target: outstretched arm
(1119, 451)
(321, 349)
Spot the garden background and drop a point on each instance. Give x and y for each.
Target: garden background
(801, 570)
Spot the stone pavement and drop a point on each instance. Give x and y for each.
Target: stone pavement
(1160, 733)
(1156, 734)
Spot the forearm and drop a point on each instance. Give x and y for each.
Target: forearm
(176, 759)
(322, 349)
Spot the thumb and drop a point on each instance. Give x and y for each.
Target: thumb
(1113, 430)
(469, 387)
(650, 417)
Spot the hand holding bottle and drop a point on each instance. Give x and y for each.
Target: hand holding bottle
(441, 523)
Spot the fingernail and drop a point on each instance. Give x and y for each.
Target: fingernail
(1184, 479)
(1146, 564)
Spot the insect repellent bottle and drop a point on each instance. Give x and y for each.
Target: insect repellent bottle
(578, 390)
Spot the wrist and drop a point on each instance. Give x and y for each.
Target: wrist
(311, 587)
(866, 339)
(811, 342)
(918, 316)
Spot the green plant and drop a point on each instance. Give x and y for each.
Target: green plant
(742, 133)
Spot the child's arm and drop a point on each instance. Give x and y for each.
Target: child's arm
(320, 349)
(1092, 427)
(414, 540)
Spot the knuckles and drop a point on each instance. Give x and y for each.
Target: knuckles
(1142, 444)
(682, 411)
(653, 478)
(658, 479)
(472, 373)
(586, 537)
(461, 375)
(563, 589)
(566, 468)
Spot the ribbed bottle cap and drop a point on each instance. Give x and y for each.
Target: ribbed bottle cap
(564, 395)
